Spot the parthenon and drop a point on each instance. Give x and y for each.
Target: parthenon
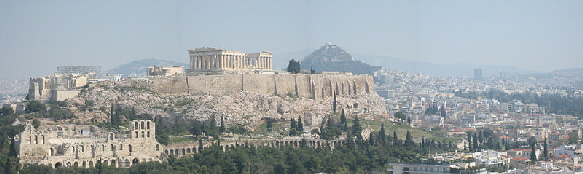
(206, 59)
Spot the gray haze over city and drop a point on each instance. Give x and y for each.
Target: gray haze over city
(38, 36)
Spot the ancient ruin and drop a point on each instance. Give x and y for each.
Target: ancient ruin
(87, 145)
(214, 59)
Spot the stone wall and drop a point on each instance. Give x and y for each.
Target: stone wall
(86, 145)
(314, 86)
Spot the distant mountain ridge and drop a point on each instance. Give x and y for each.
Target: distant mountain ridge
(138, 68)
(333, 58)
(454, 70)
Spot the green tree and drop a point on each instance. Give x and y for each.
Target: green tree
(269, 125)
(573, 137)
(35, 106)
(293, 66)
(532, 153)
(35, 123)
(292, 128)
(545, 151)
(395, 139)
(399, 115)
(196, 128)
(475, 142)
(343, 121)
(300, 126)
(382, 134)
(334, 104)
(222, 128)
(409, 140)
(6, 111)
(469, 141)
(357, 129)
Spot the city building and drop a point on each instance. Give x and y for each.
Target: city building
(213, 59)
(165, 71)
(74, 69)
(399, 168)
(478, 74)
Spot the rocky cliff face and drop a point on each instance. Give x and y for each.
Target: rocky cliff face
(242, 108)
(333, 58)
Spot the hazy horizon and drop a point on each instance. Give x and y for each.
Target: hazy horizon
(38, 36)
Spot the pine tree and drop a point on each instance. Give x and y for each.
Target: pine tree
(475, 143)
(356, 129)
(200, 146)
(371, 139)
(292, 128)
(470, 142)
(532, 153)
(222, 128)
(343, 121)
(395, 139)
(334, 104)
(300, 126)
(409, 140)
(269, 125)
(545, 151)
(382, 135)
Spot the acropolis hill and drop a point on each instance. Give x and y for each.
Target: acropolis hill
(237, 88)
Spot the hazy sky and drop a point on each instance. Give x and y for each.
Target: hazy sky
(38, 36)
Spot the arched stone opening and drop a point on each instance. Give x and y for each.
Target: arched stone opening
(58, 165)
(84, 164)
(166, 152)
(143, 125)
(127, 163)
(136, 125)
(148, 125)
(130, 147)
(91, 164)
(135, 161)
(76, 164)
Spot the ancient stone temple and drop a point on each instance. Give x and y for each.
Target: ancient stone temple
(214, 59)
(88, 145)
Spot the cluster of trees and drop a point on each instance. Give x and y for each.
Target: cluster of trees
(293, 66)
(165, 128)
(554, 103)
(484, 139)
(56, 111)
(434, 110)
(8, 160)
(329, 129)
(296, 127)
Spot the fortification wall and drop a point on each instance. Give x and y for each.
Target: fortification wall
(303, 85)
